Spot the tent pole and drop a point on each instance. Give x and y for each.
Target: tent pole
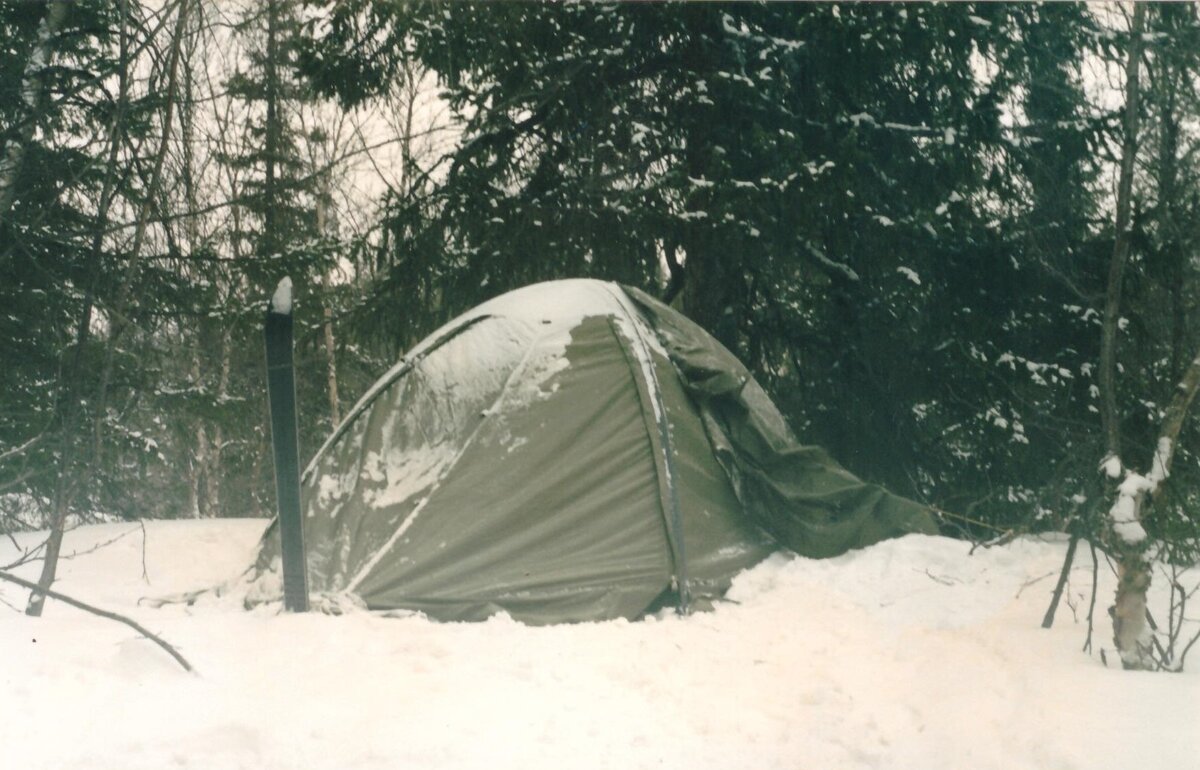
(654, 414)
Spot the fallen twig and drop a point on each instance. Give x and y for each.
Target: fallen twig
(102, 613)
(946, 581)
(98, 546)
(1183, 655)
(25, 557)
(1032, 582)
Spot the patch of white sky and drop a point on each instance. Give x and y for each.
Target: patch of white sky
(365, 152)
(1102, 79)
(1104, 85)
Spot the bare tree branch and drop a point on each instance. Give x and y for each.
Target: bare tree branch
(101, 613)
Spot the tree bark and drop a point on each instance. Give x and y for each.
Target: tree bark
(1126, 537)
(1063, 575)
(200, 460)
(212, 476)
(198, 503)
(335, 414)
(273, 138)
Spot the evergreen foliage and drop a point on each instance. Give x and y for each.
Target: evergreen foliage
(891, 212)
(898, 215)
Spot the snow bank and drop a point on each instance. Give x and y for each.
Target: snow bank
(910, 654)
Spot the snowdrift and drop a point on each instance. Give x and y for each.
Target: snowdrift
(908, 654)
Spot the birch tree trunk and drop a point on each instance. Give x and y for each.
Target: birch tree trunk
(199, 504)
(1131, 633)
(1127, 538)
(200, 461)
(13, 156)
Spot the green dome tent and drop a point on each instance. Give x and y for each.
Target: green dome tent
(570, 451)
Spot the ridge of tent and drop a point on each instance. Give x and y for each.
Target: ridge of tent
(641, 369)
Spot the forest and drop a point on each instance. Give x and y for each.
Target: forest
(956, 243)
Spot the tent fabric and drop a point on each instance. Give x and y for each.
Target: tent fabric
(798, 493)
(570, 451)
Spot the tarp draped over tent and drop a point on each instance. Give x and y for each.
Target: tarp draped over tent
(798, 493)
(570, 451)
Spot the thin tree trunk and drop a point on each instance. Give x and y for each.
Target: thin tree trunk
(330, 348)
(120, 320)
(273, 138)
(72, 373)
(13, 156)
(64, 483)
(335, 414)
(200, 461)
(199, 503)
(1068, 560)
(212, 475)
(411, 80)
(1127, 538)
(1168, 190)
(1116, 273)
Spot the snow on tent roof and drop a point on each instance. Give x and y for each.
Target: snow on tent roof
(572, 450)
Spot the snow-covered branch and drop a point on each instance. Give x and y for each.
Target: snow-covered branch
(21, 449)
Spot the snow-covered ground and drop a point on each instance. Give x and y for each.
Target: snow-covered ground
(910, 654)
